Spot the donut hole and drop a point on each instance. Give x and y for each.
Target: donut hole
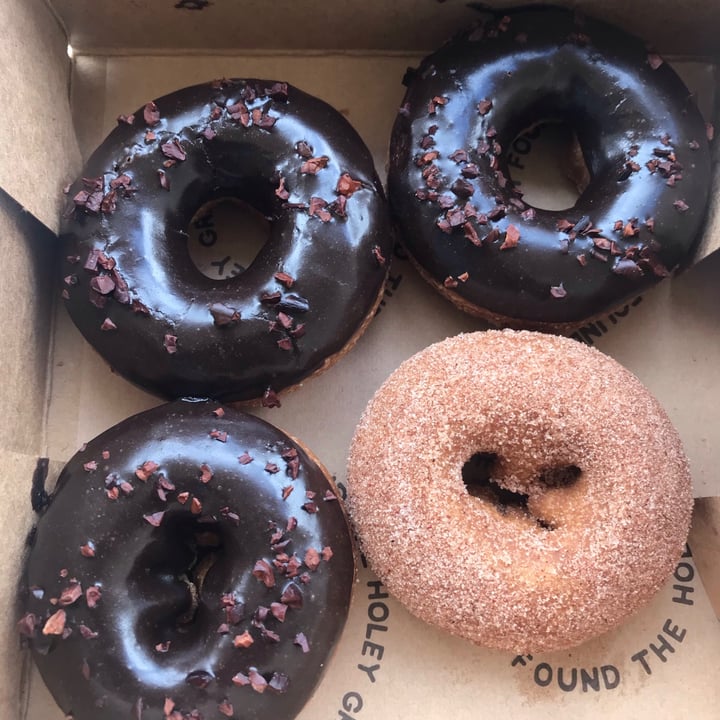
(547, 163)
(477, 475)
(481, 479)
(559, 476)
(171, 571)
(225, 236)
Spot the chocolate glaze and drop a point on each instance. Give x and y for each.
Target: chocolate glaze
(146, 308)
(643, 140)
(145, 572)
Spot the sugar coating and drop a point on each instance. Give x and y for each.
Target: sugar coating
(501, 579)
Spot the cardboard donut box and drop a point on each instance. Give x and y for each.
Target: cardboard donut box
(70, 67)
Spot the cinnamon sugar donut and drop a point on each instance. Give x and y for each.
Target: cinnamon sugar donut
(520, 490)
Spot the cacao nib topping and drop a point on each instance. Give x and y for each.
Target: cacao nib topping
(497, 213)
(313, 165)
(270, 298)
(628, 268)
(55, 624)
(292, 596)
(277, 91)
(303, 149)
(243, 641)
(484, 107)
(460, 156)
(235, 614)
(257, 681)
(279, 683)
(286, 279)
(240, 679)
(269, 635)
(264, 572)
(224, 315)
(174, 150)
(437, 100)
(70, 594)
(146, 470)
(558, 291)
(163, 179)
(462, 188)
(302, 642)
(28, 624)
(86, 633)
(107, 325)
(225, 708)
(125, 119)
(270, 398)
(240, 112)
(88, 550)
(318, 209)
(151, 114)
(312, 559)
(654, 60)
(170, 344)
(206, 475)
(154, 519)
(245, 458)
(710, 131)
(102, 284)
(347, 185)
(512, 237)
(263, 120)
(163, 647)
(427, 158)
(681, 206)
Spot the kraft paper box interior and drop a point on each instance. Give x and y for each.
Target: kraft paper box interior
(664, 662)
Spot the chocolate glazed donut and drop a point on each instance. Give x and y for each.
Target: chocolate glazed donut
(192, 560)
(465, 223)
(130, 284)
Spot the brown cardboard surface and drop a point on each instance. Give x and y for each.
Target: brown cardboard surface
(28, 253)
(669, 339)
(399, 25)
(38, 150)
(705, 540)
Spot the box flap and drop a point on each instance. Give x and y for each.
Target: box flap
(343, 24)
(38, 151)
(26, 297)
